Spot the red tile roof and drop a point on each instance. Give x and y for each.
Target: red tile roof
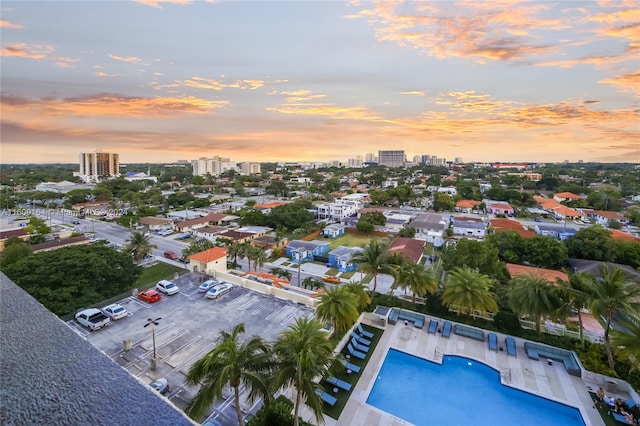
(467, 204)
(550, 274)
(269, 205)
(624, 236)
(13, 233)
(503, 225)
(569, 196)
(210, 255)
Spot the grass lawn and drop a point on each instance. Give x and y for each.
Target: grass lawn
(350, 240)
(160, 271)
(338, 371)
(604, 412)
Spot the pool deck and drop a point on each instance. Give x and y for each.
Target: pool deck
(536, 377)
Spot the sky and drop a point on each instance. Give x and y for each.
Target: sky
(161, 81)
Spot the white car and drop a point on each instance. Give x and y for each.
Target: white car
(219, 290)
(167, 287)
(115, 311)
(166, 232)
(206, 286)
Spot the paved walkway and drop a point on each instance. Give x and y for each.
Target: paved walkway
(536, 377)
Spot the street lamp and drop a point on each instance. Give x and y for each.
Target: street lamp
(153, 323)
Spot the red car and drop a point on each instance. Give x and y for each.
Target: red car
(171, 255)
(150, 296)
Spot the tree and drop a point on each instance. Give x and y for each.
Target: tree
(277, 187)
(37, 229)
(374, 217)
(360, 290)
(479, 255)
(372, 260)
(534, 296)
(469, 292)
(253, 217)
(311, 283)
(258, 256)
(138, 246)
(576, 294)
(416, 278)
(230, 363)
(291, 216)
(303, 353)
(442, 201)
(626, 340)
(338, 306)
(70, 278)
(545, 252)
(282, 273)
(407, 232)
(510, 245)
(14, 252)
(593, 243)
(198, 246)
(613, 294)
(364, 227)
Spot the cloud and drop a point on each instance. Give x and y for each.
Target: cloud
(627, 82)
(37, 52)
(104, 74)
(158, 3)
(413, 93)
(128, 59)
(108, 104)
(7, 24)
(213, 84)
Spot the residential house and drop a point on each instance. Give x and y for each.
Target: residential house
(501, 208)
(338, 210)
(602, 217)
(209, 261)
(341, 258)
(617, 234)
(430, 227)
(561, 232)
(410, 248)
(269, 242)
(559, 211)
(550, 275)
(266, 208)
(334, 230)
(469, 227)
(592, 267)
(366, 210)
(304, 251)
(209, 232)
(244, 235)
(467, 206)
(135, 176)
(504, 225)
(21, 233)
(155, 223)
(567, 196)
(199, 222)
(59, 243)
(397, 219)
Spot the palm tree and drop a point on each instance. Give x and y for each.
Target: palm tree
(311, 283)
(360, 290)
(303, 353)
(259, 257)
(613, 294)
(416, 278)
(339, 306)
(469, 292)
(576, 293)
(279, 272)
(139, 245)
(531, 294)
(233, 251)
(230, 363)
(627, 340)
(373, 260)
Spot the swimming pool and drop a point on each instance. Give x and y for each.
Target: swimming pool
(459, 392)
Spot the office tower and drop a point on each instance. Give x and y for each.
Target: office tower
(425, 159)
(391, 158)
(96, 165)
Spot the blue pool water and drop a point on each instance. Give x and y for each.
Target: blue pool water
(459, 392)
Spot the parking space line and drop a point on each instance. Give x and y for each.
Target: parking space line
(247, 305)
(288, 318)
(274, 313)
(143, 304)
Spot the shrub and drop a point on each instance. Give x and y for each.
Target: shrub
(278, 412)
(508, 322)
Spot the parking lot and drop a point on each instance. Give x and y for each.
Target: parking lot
(188, 328)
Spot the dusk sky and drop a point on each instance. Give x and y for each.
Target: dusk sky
(159, 81)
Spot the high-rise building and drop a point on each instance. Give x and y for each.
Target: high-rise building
(250, 168)
(96, 165)
(425, 159)
(212, 166)
(458, 160)
(370, 158)
(391, 158)
(355, 162)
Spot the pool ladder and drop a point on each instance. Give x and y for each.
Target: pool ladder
(438, 354)
(505, 374)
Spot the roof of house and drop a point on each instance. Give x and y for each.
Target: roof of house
(235, 235)
(592, 267)
(210, 255)
(210, 229)
(152, 220)
(550, 274)
(568, 195)
(408, 247)
(13, 233)
(467, 204)
(335, 227)
(62, 242)
(306, 245)
(212, 217)
(52, 375)
(616, 234)
(467, 219)
(345, 253)
(502, 225)
(269, 205)
(604, 213)
(567, 211)
(556, 228)
(501, 206)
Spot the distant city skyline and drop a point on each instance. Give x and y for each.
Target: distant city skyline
(163, 80)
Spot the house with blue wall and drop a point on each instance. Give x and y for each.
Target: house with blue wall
(341, 258)
(304, 251)
(334, 230)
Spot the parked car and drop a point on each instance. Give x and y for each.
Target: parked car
(167, 287)
(219, 290)
(115, 311)
(166, 232)
(93, 319)
(332, 280)
(171, 255)
(150, 296)
(184, 237)
(206, 286)
(161, 385)
(75, 222)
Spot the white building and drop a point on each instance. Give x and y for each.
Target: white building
(338, 210)
(134, 176)
(212, 166)
(62, 187)
(250, 168)
(394, 158)
(96, 165)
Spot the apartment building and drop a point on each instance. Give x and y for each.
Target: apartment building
(212, 166)
(391, 158)
(96, 165)
(338, 210)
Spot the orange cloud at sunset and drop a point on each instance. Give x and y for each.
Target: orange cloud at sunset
(7, 24)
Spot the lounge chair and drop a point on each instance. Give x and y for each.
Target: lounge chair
(339, 383)
(446, 329)
(350, 366)
(493, 341)
(364, 332)
(361, 348)
(511, 346)
(355, 353)
(329, 399)
(630, 403)
(618, 417)
(433, 326)
(361, 340)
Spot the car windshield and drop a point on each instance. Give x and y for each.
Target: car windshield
(118, 309)
(170, 285)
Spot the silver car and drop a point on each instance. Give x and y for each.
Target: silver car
(219, 290)
(115, 311)
(206, 286)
